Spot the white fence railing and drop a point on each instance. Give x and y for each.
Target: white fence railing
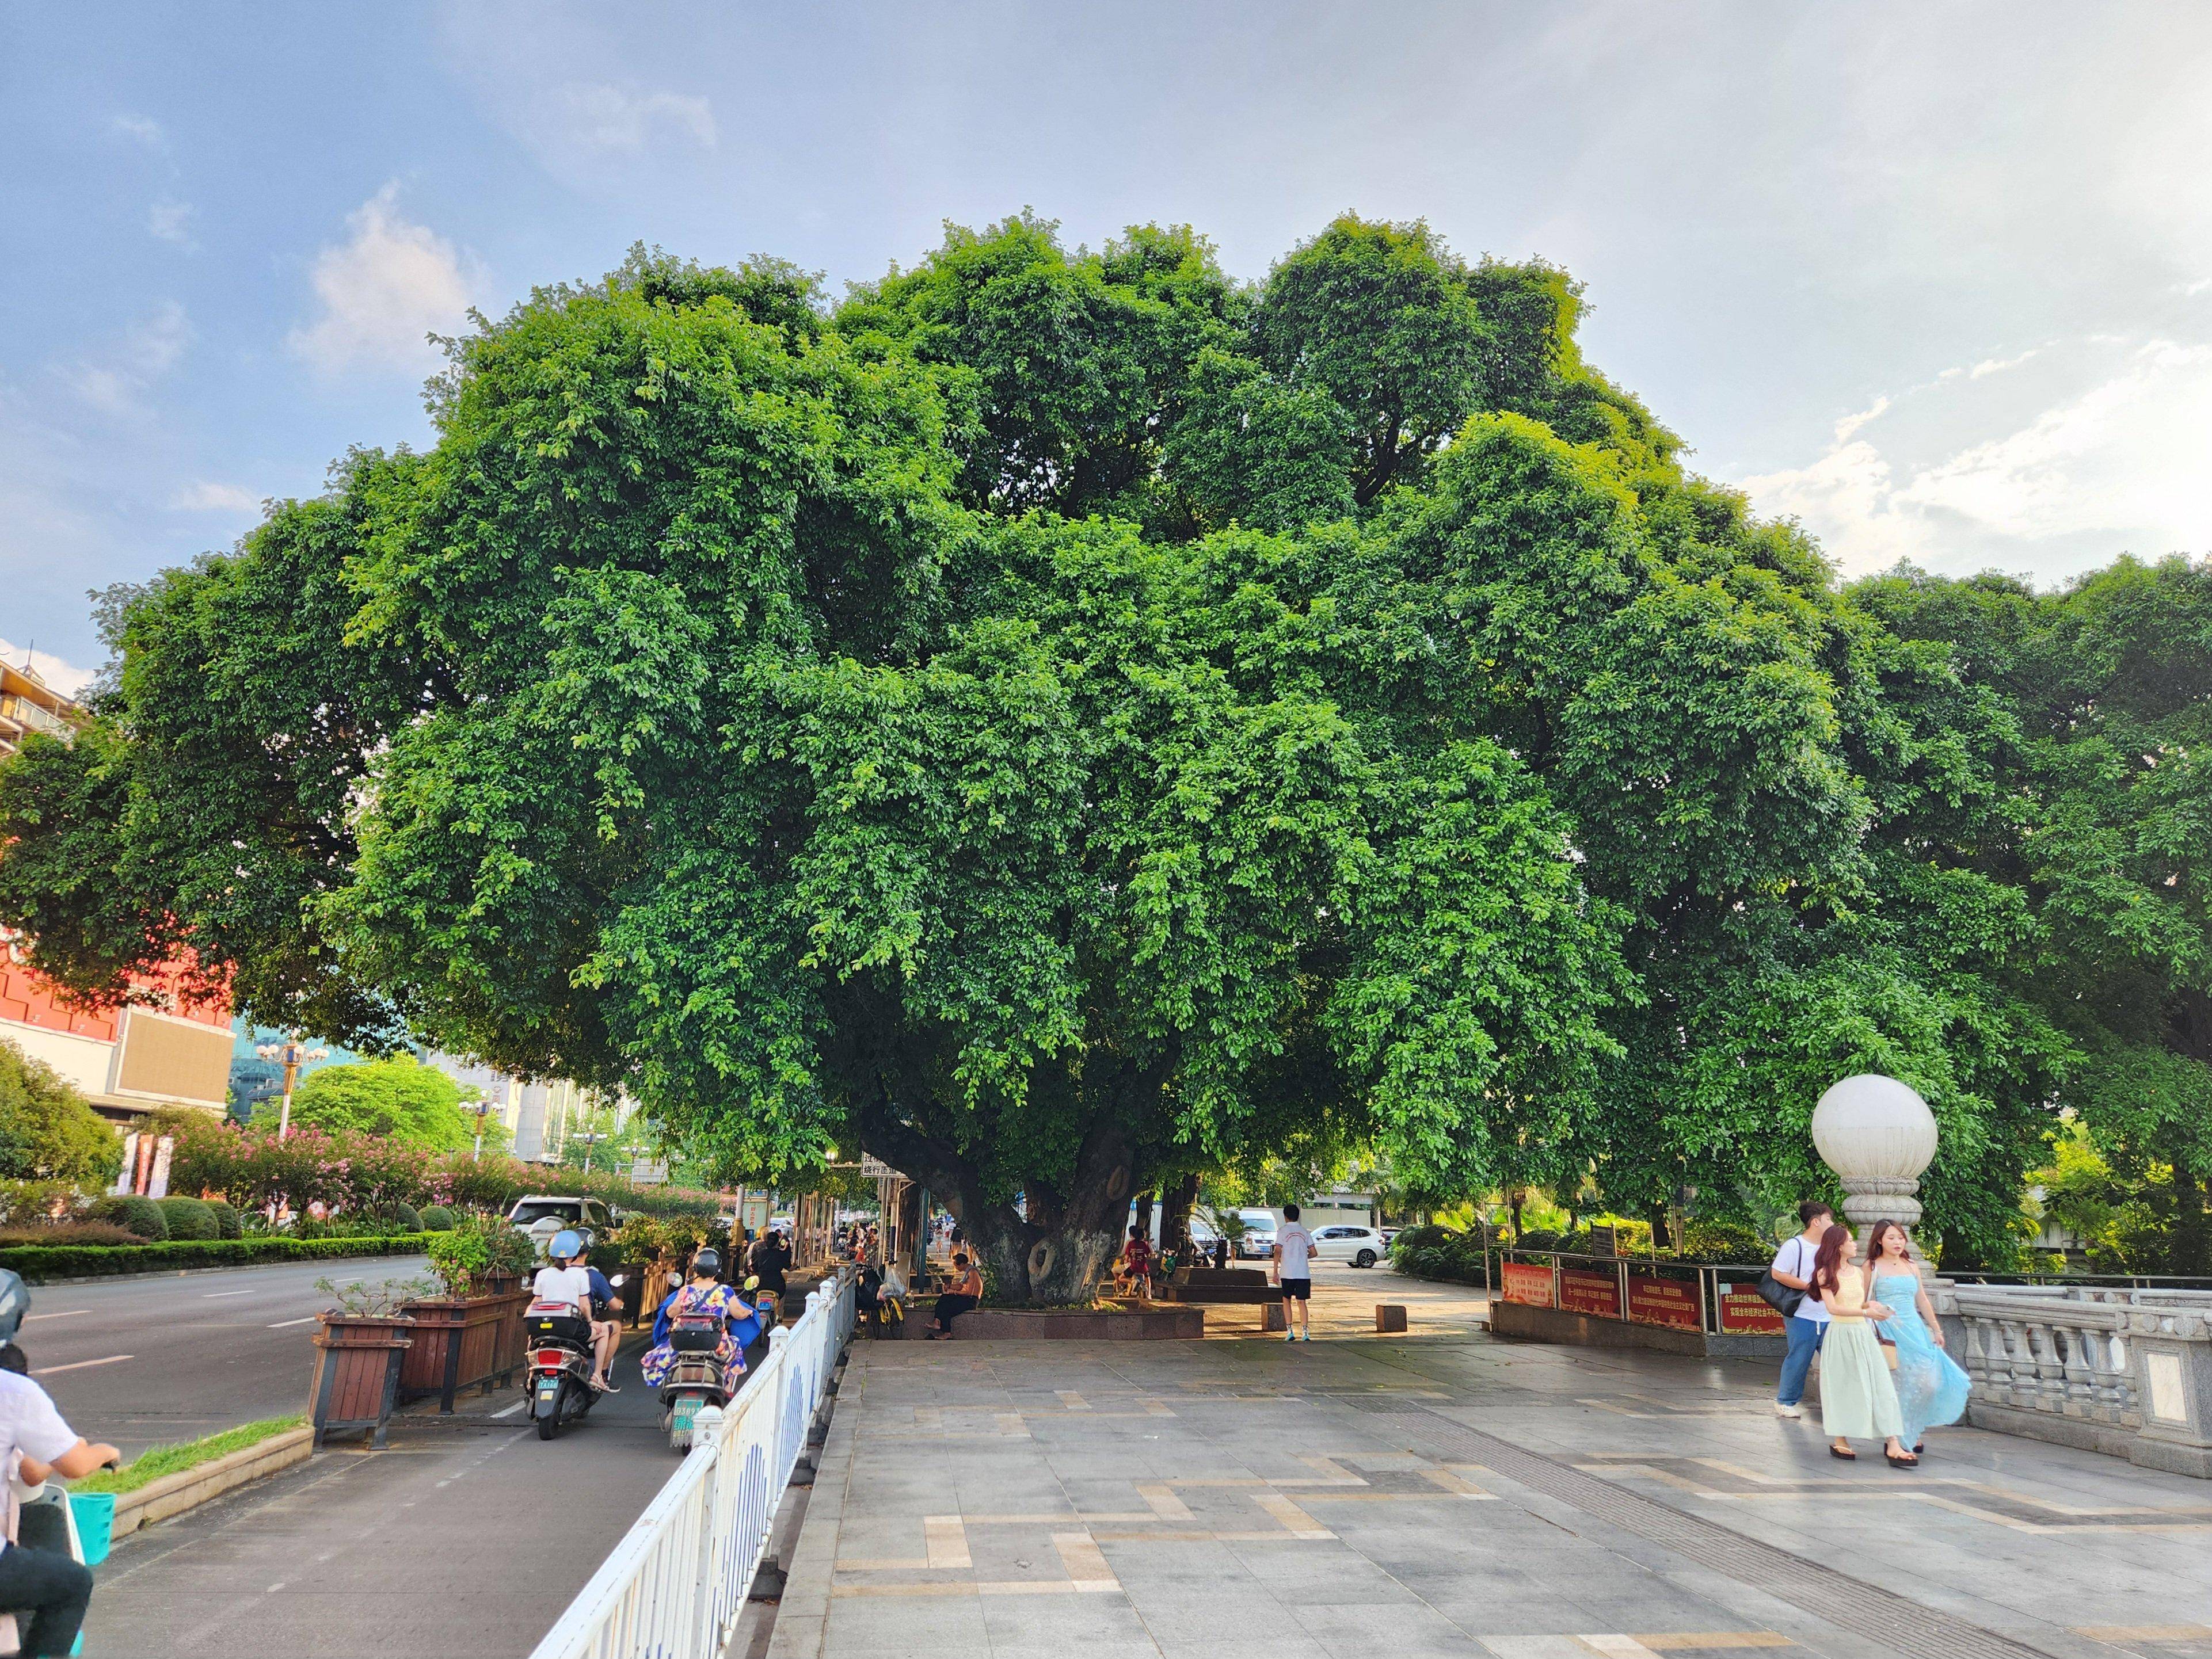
(673, 1587)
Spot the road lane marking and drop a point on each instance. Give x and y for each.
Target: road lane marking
(67, 1313)
(217, 1295)
(309, 1320)
(519, 1405)
(79, 1364)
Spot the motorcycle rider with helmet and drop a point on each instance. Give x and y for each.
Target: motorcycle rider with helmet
(49, 1586)
(567, 1280)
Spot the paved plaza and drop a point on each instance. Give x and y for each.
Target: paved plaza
(1406, 1498)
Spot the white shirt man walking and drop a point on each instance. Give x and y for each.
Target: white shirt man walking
(1291, 1262)
(1793, 1266)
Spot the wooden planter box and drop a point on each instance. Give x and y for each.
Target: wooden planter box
(356, 1380)
(462, 1342)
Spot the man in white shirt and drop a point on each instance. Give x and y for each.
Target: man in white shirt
(1291, 1262)
(45, 1591)
(569, 1281)
(1793, 1266)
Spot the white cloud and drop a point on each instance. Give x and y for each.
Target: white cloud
(1998, 365)
(64, 677)
(172, 221)
(381, 293)
(1850, 423)
(606, 118)
(116, 381)
(208, 497)
(143, 128)
(2114, 463)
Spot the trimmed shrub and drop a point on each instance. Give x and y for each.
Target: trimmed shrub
(69, 1233)
(405, 1218)
(141, 1216)
(40, 1262)
(437, 1218)
(188, 1217)
(228, 1223)
(1726, 1244)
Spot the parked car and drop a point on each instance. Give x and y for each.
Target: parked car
(1361, 1246)
(1259, 1239)
(543, 1215)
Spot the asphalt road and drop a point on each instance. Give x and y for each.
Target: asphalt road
(143, 1361)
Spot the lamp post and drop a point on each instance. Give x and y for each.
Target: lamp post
(289, 1055)
(1878, 1135)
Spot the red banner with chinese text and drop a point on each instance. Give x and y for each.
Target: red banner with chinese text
(1523, 1282)
(1671, 1302)
(1591, 1291)
(1745, 1312)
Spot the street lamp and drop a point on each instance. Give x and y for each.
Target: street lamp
(289, 1055)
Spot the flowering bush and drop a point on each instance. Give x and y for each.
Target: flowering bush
(362, 1174)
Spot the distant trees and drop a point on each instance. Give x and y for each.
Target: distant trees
(48, 1131)
(398, 1099)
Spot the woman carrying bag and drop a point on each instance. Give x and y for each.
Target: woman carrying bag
(1859, 1400)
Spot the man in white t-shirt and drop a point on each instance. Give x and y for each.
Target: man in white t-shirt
(569, 1281)
(1291, 1261)
(1793, 1266)
(45, 1591)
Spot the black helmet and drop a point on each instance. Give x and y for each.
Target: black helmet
(14, 1303)
(706, 1261)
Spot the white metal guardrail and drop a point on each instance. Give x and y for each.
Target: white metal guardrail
(673, 1587)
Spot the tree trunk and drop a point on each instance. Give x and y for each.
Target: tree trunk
(1057, 1253)
(1175, 1223)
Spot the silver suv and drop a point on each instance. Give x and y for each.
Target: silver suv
(545, 1215)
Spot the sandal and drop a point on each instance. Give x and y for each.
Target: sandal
(1907, 1462)
(1847, 1454)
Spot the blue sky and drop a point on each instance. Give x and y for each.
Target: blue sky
(1938, 280)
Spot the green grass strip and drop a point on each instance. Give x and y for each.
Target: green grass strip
(151, 1464)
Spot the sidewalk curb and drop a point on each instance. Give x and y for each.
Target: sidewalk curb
(802, 1614)
(173, 1494)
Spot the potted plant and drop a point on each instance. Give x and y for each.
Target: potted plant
(469, 1329)
(359, 1349)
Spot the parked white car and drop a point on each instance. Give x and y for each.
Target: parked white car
(1258, 1238)
(1361, 1246)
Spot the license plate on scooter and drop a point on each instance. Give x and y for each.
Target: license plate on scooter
(687, 1409)
(548, 1395)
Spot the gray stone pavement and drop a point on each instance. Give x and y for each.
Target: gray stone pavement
(1413, 1497)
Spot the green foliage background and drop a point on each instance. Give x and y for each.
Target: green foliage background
(1064, 720)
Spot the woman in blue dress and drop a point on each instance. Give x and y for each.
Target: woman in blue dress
(704, 1294)
(1931, 1389)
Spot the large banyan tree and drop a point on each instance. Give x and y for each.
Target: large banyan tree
(1056, 719)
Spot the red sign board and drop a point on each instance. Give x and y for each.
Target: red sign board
(1523, 1282)
(1586, 1290)
(1653, 1301)
(1745, 1312)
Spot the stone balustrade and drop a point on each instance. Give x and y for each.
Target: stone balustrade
(2110, 1369)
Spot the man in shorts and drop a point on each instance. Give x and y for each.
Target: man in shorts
(1291, 1262)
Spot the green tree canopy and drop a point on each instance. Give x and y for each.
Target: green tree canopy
(1062, 720)
(48, 1131)
(399, 1099)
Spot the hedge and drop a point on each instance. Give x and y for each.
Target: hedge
(38, 1263)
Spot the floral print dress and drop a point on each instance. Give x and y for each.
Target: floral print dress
(693, 1300)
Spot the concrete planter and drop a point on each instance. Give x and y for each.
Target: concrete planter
(462, 1342)
(1070, 1325)
(172, 1494)
(356, 1379)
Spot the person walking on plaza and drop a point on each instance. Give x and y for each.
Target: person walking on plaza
(1859, 1400)
(1291, 1261)
(1808, 1321)
(1931, 1389)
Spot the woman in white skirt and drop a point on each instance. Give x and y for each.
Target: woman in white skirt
(1858, 1400)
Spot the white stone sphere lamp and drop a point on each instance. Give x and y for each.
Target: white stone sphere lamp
(1878, 1135)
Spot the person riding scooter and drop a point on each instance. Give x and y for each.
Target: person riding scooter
(48, 1585)
(702, 1294)
(567, 1280)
